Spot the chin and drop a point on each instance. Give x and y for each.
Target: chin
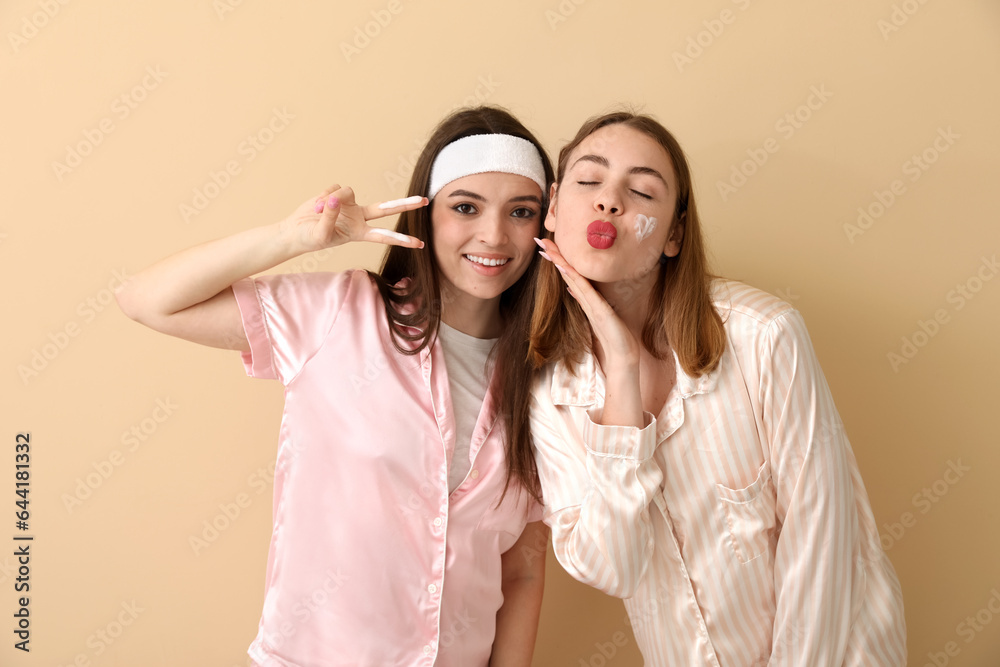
(596, 271)
(604, 277)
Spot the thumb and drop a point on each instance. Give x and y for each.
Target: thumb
(325, 231)
(331, 209)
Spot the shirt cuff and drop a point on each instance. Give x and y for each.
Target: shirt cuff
(258, 362)
(629, 442)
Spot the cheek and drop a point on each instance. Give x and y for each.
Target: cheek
(645, 227)
(648, 259)
(442, 243)
(524, 235)
(444, 228)
(650, 247)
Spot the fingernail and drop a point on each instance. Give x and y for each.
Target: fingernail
(319, 206)
(561, 269)
(545, 255)
(333, 202)
(539, 242)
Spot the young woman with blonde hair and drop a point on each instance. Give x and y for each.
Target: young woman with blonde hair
(691, 457)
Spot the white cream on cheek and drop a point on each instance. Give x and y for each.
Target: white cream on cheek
(644, 226)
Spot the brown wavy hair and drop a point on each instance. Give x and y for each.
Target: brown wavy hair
(414, 309)
(680, 313)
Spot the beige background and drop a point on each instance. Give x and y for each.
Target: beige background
(892, 78)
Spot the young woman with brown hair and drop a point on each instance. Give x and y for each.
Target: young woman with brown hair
(398, 501)
(691, 457)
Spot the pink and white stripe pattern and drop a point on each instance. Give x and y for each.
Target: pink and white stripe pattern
(735, 524)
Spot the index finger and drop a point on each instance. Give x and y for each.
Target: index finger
(395, 206)
(389, 237)
(579, 286)
(550, 248)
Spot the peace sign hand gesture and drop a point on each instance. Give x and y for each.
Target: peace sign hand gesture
(334, 218)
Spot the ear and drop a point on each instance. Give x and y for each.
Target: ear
(550, 217)
(673, 245)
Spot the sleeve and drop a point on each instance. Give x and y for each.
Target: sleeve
(597, 483)
(286, 318)
(817, 580)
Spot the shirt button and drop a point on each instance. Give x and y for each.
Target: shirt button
(432, 589)
(474, 474)
(438, 522)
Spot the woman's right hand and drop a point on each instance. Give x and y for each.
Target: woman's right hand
(189, 294)
(334, 218)
(618, 349)
(619, 346)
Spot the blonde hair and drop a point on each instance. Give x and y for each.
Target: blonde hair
(681, 314)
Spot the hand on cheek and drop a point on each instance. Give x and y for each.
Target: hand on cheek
(608, 328)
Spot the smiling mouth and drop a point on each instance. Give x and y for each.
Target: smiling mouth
(486, 261)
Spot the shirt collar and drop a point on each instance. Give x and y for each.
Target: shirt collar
(582, 384)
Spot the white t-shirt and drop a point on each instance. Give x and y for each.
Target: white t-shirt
(465, 358)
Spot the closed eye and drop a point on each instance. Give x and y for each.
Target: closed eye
(635, 192)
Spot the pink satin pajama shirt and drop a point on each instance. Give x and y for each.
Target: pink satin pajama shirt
(372, 562)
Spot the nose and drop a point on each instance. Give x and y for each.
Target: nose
(493, 230)
(608, 200)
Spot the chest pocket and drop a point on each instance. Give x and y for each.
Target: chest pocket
(748, 515)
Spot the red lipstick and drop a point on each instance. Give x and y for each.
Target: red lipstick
(601, 235)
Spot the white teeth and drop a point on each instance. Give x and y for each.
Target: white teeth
(486, 262)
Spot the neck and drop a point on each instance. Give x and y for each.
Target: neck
(630, 300)
(479, 318)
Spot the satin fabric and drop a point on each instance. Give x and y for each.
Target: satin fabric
(735, 523)
(372, 561)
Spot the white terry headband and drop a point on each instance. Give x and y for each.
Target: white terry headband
(481, 153)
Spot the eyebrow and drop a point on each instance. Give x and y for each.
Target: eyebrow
(478, 197)
(603, 161)
(466, 193)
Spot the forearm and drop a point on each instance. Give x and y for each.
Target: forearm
(599, 483)
(517, 623)
(199, 273)
(606, 541)
(522, 584)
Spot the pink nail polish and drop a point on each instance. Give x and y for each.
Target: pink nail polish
(539, 242)
(561, 269)
(333, 202)
(545, 255)
(319, 206)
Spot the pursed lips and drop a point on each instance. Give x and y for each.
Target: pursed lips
(601, 234)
